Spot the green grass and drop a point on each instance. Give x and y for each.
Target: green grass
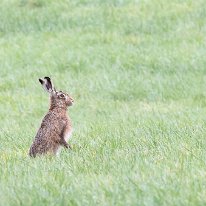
(137, 72)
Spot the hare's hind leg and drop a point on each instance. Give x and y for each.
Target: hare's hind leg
(32, 151)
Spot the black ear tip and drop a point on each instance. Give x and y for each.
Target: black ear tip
(41, 81)
(47, 78)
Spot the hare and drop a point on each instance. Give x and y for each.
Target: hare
(56, 127)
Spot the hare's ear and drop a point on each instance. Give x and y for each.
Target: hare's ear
(47, 85)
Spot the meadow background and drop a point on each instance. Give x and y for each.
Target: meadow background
(137, 72)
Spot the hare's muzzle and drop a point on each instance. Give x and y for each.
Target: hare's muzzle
(72, 100)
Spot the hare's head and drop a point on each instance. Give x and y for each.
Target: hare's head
(58, 99)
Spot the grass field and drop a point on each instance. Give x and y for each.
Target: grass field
(137, 72)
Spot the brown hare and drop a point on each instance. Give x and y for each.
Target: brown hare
(56, 127)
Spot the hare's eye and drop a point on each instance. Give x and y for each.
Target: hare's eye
(61, 95)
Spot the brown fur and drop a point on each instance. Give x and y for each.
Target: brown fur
(55, 125)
